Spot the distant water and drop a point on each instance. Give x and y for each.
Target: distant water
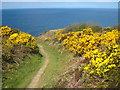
(35, 21)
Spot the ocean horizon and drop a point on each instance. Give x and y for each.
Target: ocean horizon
(36, 20)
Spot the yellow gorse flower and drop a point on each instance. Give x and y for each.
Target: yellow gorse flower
(100, 48)
(17, 38)
(5, 31)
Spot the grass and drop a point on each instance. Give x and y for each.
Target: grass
(24, 73)
(59, 59)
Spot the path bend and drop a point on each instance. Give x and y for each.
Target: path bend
(36, 78)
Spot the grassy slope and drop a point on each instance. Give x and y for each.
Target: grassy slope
(25, 72)
(59, 59)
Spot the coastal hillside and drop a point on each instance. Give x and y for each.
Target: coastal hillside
(94, 62)
(77, 56)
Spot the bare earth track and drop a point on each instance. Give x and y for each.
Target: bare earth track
(36, 78)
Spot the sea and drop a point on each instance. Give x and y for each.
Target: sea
(36, 21)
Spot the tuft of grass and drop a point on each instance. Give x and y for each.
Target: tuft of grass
(23, 74)
(59, 59)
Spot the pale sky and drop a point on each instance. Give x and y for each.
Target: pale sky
(60, 0)
(14, 4)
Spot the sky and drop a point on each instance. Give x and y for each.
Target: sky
(60, 0)
(14, 4)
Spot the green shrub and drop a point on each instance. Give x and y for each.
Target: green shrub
(96, 28)
(76, 27)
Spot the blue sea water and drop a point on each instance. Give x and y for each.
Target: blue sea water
(35, 21)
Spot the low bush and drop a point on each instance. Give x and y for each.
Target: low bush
(16, 45)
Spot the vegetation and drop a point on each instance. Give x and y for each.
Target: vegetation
(46, 31)
(76, 27)
(16, 47)
(56, 64)
(81, 26)
(21, 76)
(80, 56)
(100, 50)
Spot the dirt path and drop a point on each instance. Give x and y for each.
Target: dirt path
(36, 78)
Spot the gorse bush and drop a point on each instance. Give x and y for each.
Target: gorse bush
(86, 40)
(101, 51)
(103, 62)
(76, 27)
(16, 45)
(96, 28)
(81, 26)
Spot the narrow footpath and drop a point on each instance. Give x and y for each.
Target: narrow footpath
(36, 78)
